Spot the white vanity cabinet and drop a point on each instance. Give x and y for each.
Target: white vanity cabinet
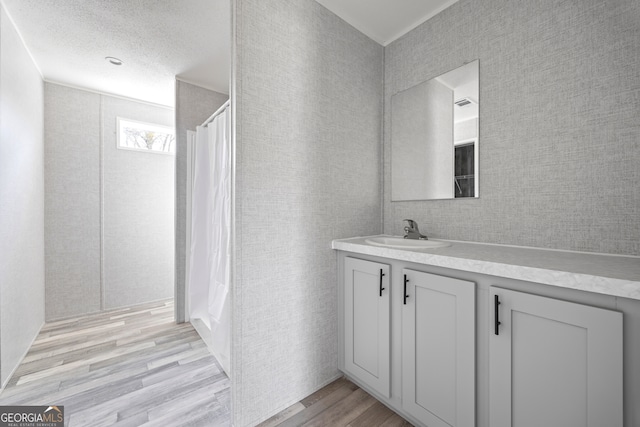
(367, 323)
(436, 332)
(492, 336)
(438, 349)
(553, 363)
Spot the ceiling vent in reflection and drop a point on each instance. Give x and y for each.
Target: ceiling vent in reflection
(463, 102)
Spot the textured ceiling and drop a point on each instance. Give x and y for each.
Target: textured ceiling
(156, 39)
(385, 20)
(160, 39)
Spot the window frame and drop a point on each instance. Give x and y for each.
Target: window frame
(144, 125)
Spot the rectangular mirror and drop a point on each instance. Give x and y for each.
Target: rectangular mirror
(434, 137)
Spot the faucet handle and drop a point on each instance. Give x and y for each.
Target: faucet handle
(411, 230)
(411, 223)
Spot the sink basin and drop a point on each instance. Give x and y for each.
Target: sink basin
(401, 243)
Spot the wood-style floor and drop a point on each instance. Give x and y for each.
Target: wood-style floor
(128, 367)
(340, 404)
(135, 367)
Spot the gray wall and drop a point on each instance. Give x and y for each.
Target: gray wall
(72, 201)
(559, 129)
(109, 213)
(138, 211)
(307, 98)
(21, 200)
(194, 105)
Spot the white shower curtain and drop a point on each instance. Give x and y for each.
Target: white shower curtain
(210, 233)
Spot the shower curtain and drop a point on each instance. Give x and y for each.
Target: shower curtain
(210, 233)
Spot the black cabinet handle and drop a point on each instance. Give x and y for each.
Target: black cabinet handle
(496, 314)
(405, 289)
(381, 276)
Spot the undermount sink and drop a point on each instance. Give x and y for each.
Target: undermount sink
(402, 243)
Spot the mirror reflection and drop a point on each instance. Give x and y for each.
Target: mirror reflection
(434, 137)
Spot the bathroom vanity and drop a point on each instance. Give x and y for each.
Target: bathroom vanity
(490, 335)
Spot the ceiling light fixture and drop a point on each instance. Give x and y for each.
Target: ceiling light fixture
(114, 61)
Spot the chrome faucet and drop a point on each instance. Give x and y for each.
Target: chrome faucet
(411, 231)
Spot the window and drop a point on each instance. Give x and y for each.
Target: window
(133, 135)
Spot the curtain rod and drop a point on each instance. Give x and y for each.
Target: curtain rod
(217, 113)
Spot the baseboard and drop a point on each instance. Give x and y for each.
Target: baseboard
(286, 405)
(205, 334)
(398, 410)
(108, 310)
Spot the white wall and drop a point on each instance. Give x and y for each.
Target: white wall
(109, 212)
(308, 91)
(21, 199)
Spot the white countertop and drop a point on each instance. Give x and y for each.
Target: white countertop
(600, 273)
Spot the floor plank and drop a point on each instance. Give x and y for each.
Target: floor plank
(134, 367)
(339, 404)
(281, 417)
(126, 367)
(395, 421)
(325, 391)
(343, 412)
(375, 415)
(321, 405)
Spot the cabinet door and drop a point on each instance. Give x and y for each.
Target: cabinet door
(438, 349)
(553, 363)
(366, 317)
